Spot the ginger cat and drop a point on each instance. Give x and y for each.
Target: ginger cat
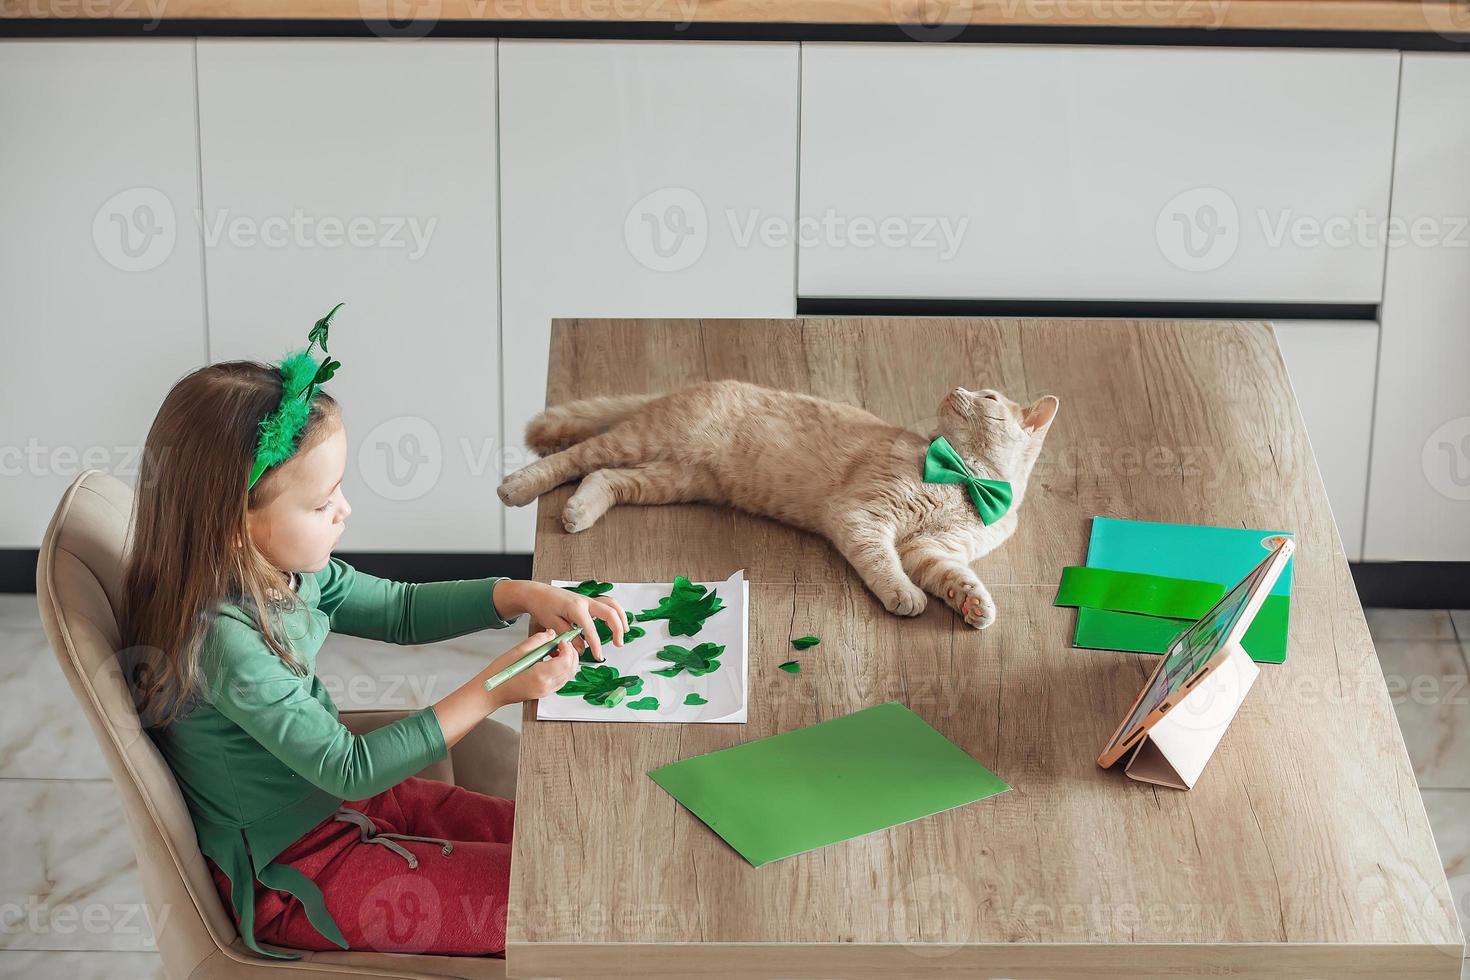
(820, 465)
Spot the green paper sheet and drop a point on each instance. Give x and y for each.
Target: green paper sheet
(1152, 595)
(1108, 629)
(804, 789)
(1219, 555)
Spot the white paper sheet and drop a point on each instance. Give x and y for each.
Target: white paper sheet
(724, 689)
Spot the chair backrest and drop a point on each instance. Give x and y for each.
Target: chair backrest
(79, 588)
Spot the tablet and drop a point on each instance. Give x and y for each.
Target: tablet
(1198, 651)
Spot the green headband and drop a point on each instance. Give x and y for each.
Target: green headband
(301, 375)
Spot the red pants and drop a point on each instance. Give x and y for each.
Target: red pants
(451, 904)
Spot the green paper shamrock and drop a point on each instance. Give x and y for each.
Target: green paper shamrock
(601, 685)
(590, 588)
(791, 666)
(804, 642)
(686, 607)
(699, 661)
(318, 333)
(692, 698)
(643, 704)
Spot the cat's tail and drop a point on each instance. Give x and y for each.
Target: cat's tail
(565, 425)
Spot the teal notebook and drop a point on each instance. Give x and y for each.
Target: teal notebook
(804, 789)
(1223, 555)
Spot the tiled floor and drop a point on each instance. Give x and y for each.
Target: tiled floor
(70, 901)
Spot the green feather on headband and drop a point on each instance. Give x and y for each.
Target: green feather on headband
(301, 375)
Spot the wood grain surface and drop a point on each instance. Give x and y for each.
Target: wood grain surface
(924, 20)
(1304, 850)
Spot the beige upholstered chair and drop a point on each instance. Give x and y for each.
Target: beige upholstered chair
(78, 582)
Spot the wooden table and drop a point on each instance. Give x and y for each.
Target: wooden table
(1425, 16)
(1303, 852)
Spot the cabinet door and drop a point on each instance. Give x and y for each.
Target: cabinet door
(638, 179)
(1126, 173)
(100, 296)
(1419, 491)
(1332, 366)
(364, 172)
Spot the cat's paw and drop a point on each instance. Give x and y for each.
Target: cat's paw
(973, 602)
(578, 516)
(904, 599)
(517, 489)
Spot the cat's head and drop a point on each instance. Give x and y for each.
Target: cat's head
(1001, 436)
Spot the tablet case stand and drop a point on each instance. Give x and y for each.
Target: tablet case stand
(1176, 749)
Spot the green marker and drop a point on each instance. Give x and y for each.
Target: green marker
(534, 657)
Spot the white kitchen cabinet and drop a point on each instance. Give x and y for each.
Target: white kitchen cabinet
(1332, 367)
(100, 288)
(1419, 488)
(1094, 173)
(365, 172)
(638, 179)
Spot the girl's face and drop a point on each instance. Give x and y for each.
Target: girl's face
(299, 528)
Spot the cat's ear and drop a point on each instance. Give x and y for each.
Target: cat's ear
(1038, 414)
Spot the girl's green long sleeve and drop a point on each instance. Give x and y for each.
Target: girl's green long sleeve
(261, 756)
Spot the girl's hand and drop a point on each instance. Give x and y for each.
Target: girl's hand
(536, 681)
(561, 609)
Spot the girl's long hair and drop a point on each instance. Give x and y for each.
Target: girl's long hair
(189, 548)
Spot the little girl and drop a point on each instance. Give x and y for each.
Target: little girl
(317, 838)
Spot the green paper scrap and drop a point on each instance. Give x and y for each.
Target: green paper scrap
(802, 643)
(648, 703)
(692, 698)
(590, 588)
(1221, 556)
(601, 685)
(795, 792)
(702, 660)
(1153, 595)
(1108, 629)
(791, 666)
(686, 607)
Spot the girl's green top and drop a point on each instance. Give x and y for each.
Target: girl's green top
(261, 757)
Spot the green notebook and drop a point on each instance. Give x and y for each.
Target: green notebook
(804, 789)
(1218, 555)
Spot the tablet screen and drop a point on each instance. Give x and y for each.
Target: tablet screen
(1196, 646)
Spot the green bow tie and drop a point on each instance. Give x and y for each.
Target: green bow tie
(943, 465)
